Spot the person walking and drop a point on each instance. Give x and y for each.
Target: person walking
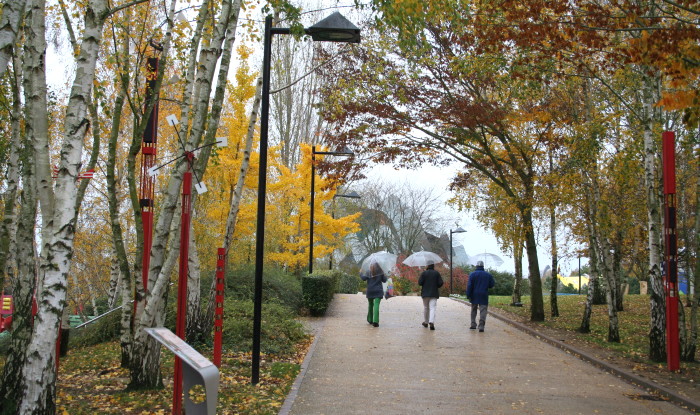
(375, 292)
(478, 294)
(430, 282)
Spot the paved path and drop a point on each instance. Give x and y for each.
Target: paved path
(402, 368)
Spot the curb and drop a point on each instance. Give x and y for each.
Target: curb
(662, 391)
(292, 395)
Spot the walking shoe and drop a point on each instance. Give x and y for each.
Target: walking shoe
(432, 326)
(481, 330)
(425, 324)
(377, 325)
(472, 328)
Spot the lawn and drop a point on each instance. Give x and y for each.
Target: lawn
(633, 321)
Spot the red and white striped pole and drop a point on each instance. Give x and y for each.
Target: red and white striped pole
(219, 305)
(671, 250)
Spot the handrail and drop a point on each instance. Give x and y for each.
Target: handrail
(101, 315)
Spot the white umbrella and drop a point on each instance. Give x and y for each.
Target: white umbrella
(422, 259)
(385, 260)
(489, 260)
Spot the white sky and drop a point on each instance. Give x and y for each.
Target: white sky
(476, 240)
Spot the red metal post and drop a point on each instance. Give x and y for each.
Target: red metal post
(182, 281)
(148, 160)
(671, 247)
(219, 305)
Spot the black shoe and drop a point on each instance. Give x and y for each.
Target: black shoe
(369, 322)
(481, 330)
(425, 324)
(377, 325)
(472, 328)
(432, 326)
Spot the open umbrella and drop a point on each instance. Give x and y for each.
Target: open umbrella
(489, 260)
(385, 260)
(422, 259)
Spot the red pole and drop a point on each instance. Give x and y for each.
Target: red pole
(148, 159)
(671, 248)
(182, 282)
(219, 301)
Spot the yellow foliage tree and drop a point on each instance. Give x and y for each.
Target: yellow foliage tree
(289, 209)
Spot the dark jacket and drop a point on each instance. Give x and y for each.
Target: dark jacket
(374, 285)
(430, 280)
(478, 286)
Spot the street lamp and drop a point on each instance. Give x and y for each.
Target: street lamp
(334, 28)
(343, 152)
(458, 230)
(351, 195)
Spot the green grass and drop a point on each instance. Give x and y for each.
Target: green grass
(633, 321)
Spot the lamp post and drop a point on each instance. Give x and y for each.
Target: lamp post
(334, 28)
(351, 195)
(458, 230)
(311, 202)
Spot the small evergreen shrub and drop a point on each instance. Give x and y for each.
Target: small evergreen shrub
(317, 291)
(348, 284)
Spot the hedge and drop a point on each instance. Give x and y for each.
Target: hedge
(317, 291)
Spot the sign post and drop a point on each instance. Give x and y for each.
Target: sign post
(671, 250)
(197, 370)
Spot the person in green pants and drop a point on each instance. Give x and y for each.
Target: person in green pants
(375, 292)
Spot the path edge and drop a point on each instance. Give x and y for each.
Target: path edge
(669, 394)
(294, 391)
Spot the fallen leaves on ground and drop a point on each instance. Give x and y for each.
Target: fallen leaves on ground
(90, 381)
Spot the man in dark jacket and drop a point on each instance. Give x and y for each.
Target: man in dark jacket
(430, 280)
(478, 294)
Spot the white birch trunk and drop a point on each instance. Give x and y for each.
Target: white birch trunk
(39, 370)
(23, 289)
(10, 19)
(8, 227)
(657, 325)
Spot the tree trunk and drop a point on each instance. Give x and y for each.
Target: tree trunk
(39, 396)
(537, 306)
(585, 326)
(23, 291)
(617, 272)
(10, 21)
(193, 330)
(613, 324)
(657, 324)
(555, 265)
(518, 260)
(8, 226)
(115, 280)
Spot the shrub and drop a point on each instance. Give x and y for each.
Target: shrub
(277, 284)
(279, 331)
(402, 285)
(348, 284)
(317, 291)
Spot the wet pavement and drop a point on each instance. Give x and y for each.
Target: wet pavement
(401, 367)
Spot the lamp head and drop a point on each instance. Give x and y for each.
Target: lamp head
(334, 28)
